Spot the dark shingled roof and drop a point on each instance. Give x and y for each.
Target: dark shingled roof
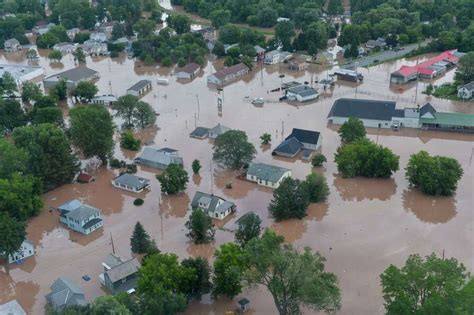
(139, 85)
(304, 136)
(364, 109)
(290, 146)
(427, 108)
(75, 74)
(190, 68)
(199, 132)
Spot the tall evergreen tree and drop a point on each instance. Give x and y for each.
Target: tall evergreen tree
(140, 240)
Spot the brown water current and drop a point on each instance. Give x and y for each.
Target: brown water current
(364, 226)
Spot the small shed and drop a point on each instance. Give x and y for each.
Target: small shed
(85, 178)
(189, 71)
(140, 88)
(244, 305)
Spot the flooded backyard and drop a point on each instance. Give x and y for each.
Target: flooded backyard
(365, 225)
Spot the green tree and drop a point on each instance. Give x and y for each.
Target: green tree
(196, 166)
(284, 32)
(32, 55)
(117, 31)
(318, 160)
(108, 305)
(367, 159)
(249, 226)
(45, 101)
(144, 28)
(220, 18)
(316, 187)
(229, 266)
(7, 84)
(162, 285)
(429, 89)
(294, 279)
(20, 196)
(55, 56)
(433, 175)
(92, 131)
(423, 286)
(200, 227)
(335, 7)
(174, 179)
(30, 92)
(353, 129)
(13, 159)
(79, 55)
(167, 62)
(266, 138)
(52, 115)
(50, 157)
(233, 150)
(180, 23)
(219, 49)
(85, 90)
(59, 90)
(81, 37)
(12, 235)
(201, 283)
(128, 141)
(144, 116)
(140, 241)
(290, 200)
(11, 115)
(125, 107)
(465, 70)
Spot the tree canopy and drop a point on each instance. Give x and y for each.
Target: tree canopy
(229, 266)
(12, 235)
(85, 90)
(249, 226)
(92, 131)
(433, 175)
(233, 150)
(352, 130)
(367, 159)
(424, 286)
(20, 196)
(174, 179)
(290, 200)
(200, 227)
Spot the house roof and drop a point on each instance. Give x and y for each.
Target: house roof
(221, 74)
(469, 86)
(190, 68)
(213, 203)
(258, 49)
(304, 136)
(267, 172)
(364, 109)
(65, 292)
(75, 74)
(406, 71)
(243, 301)
(82, 213)
(450, 56)
(83, 177)
(303, 90)
(158, 156)
(70, 205)
(11, 308)
(139, 85)
(427, 108)
(91, 223)
(199, 132)
(219, 129)
(289, 146)
(11, 42)
(112, 260)
(123, 270)
(168, 150)
(450, 119)
(132, 181)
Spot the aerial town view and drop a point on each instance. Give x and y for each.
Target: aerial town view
(287, 157)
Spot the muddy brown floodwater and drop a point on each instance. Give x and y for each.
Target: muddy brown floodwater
(364, 226)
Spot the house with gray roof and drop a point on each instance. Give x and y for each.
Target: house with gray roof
(65, 48)
(119, 275)
(95, 48)
(299, 139)
(131, 182)
(277, 56)
(12, 45)
(217, 131)
(266, 174)
(214, 206)
(105, 100)
(80, 217)
(72, 77)
(11, 308)
(302, 93)
(189, 71)
(229, 74)
(199, 133)
(466, 91)
(159, 158)
(140, 88)
(65, 293)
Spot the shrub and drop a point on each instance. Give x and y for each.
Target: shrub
(129, 142)
(138, 202)
(318, 160)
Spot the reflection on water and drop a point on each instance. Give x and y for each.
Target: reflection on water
(358, 189)
(428, 208)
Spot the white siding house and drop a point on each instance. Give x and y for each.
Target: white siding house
(27, 249)
(267, 175)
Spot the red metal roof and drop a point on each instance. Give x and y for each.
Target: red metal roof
(424, 66)
(85, 178)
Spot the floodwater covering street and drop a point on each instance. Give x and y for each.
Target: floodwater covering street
(365, 225)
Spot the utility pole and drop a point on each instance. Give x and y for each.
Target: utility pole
(112, 242)
(197, 98)
(212, 177)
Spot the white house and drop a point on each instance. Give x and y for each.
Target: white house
(228, 74)
(217, 131)
(12, 45)
(95, 48)
(276, 56)
(106, 100)
(302, 93)
(267, 175)
(12, 308)
(214, 206)
(99, 36)
(466, 91)
(65, 48)
(80, 217)
(27, 249)
(189, 71)
(131, 183)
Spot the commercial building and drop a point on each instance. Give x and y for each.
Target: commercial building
(22, 73)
